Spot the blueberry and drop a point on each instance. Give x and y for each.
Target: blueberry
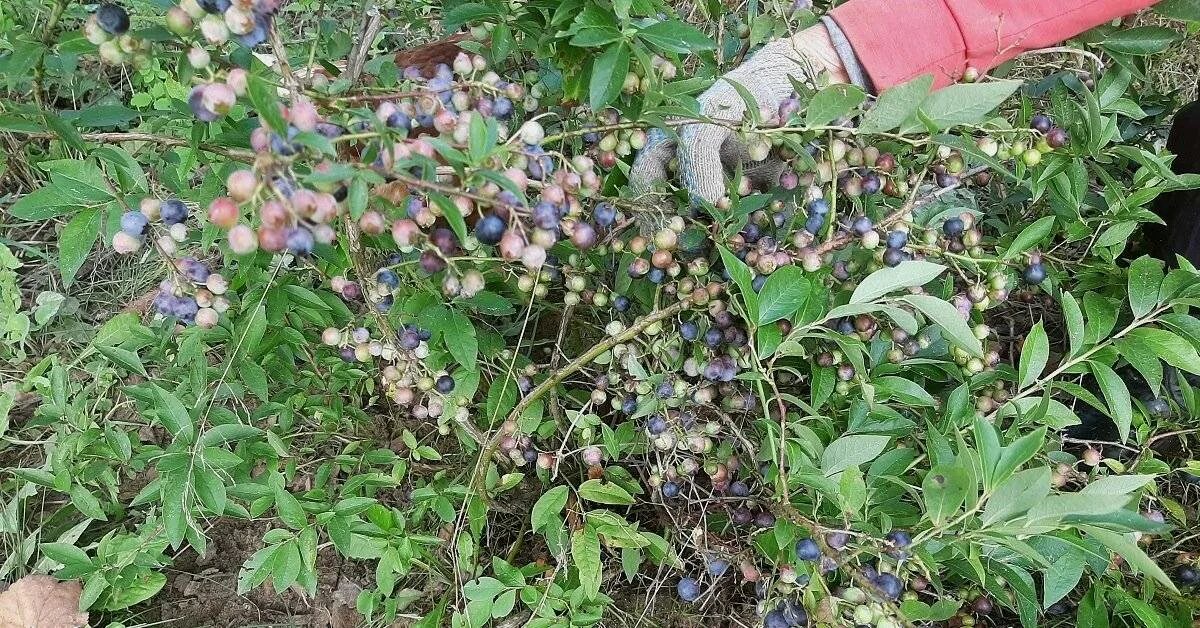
(775, 619)
(897, 239)
(1057, 138)
(656, 275)
(424, 334)
(862, 225)
(604, 214)
(899, 538)
(758, 282)
(621, 303)
(807, 549)
(502, 108)
(814, 223)
(299, 240)
(688, 589)
(1041, 123)
(490, 229)
(793, 610)
(818, 207)
(134, 223)
(670, 490)
(889, 585)
(666, 390)
(656, 425)
(846, 326)
(112, 19)
(713, 337)
(173, 211)
(399, 120)
(953, 227)
(717, 567)
(1187, 575)
(837, 540)
(893, 257)
(689, 331)
(409, 340)
(738, 488)
(764, 519)
(1156, 407)
(1034, 274)
(629, 405)
(445, 384)
(385, 304)
(213, 6)
(1058, 608)
(545, 215)
(388, 278)
(871, 183)
(530, 455)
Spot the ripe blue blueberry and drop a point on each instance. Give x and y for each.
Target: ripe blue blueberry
(656, 425)
(545, 215)
(713, 337)
(793, 610)
(213, 6)
(444, 384)
(657, 275)
(807, 549)
(605, 214)
(299, 240)
(689, 330)
(670, 490)
(112, 19)
(1158, 408)
(629, 405)
(1034, 274)
(387, 277)
(818, 207)
(775, 619)
(889, 585)
(814, 223)
(173, 211)
(688, 589)
(1187, 575)
(621, 303)
(409, 339)
(899, 538)
(758, 282)
(738, 488)
(399, 120)
(134, 223)
(502, 108)
(862, 225)
(490, 229)
(893, 257)
(717, 567)
(897, 239)
(871, 183)
(953, 227)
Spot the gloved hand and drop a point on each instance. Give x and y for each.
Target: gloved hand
(706, 152)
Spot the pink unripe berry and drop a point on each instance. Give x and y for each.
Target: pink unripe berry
(237, 80)
(242, 240)
(198, 57)
(404, 232)
(207, 318)
(260, 140)
(178, 21)
(592, 456)
(371, 223)
(223, 212)
(125, 244)
(218, 98)
(241, 185)
(214, 30)
(512, 245)
(304, 115)
(533, 257)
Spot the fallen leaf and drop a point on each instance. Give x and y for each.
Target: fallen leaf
(41, 602)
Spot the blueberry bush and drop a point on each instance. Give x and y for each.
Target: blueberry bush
(355, 303)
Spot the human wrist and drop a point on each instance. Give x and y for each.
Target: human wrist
(815, 43)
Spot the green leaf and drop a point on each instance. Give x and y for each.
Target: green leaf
(467, 13)
(784, 294)
(459, 334)
(1169, 347)
(1179, 9)
(1133, 555)
(76, 241)
(86, 502)
(289, 509)
(1116, 393)
(1061, 577)
(264, 97)
(903, 390)
(833, 102)
(1034, 353)
(675, 36)
(851, 451)
(227, 433)
(1073, 317)
(946, 316)
(742, 276)
(1030, 236)
(1017, 494)
(546, 509)
(43, 203)
(1142, 40)
(906, 274)
(945, 489)
(173, 414)
(1017, 454)
(896, 104)
(1145, 278)
(124, 357)
(964, 103)
(602, 492)
(66, 554)
(585, 552)
(608, 75)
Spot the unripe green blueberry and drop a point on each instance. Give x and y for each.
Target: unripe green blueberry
(179, 21)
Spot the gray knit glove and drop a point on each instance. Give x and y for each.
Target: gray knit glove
(707, 153)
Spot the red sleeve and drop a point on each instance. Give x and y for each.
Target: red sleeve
(897, 40)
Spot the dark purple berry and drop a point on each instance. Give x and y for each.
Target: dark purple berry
(818, 207)
(213, 6)
(1187, 575)
(764, 519)
(1057, 138)
(893, 257)
(621, 303)
(431, 262)
(1041, 122)
(1159, 408)
(899, 538)
(775, 619)
(837, 540)
(953, 227)
(889, 585)
(444, 384)
(604, 214)
(490, 229)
